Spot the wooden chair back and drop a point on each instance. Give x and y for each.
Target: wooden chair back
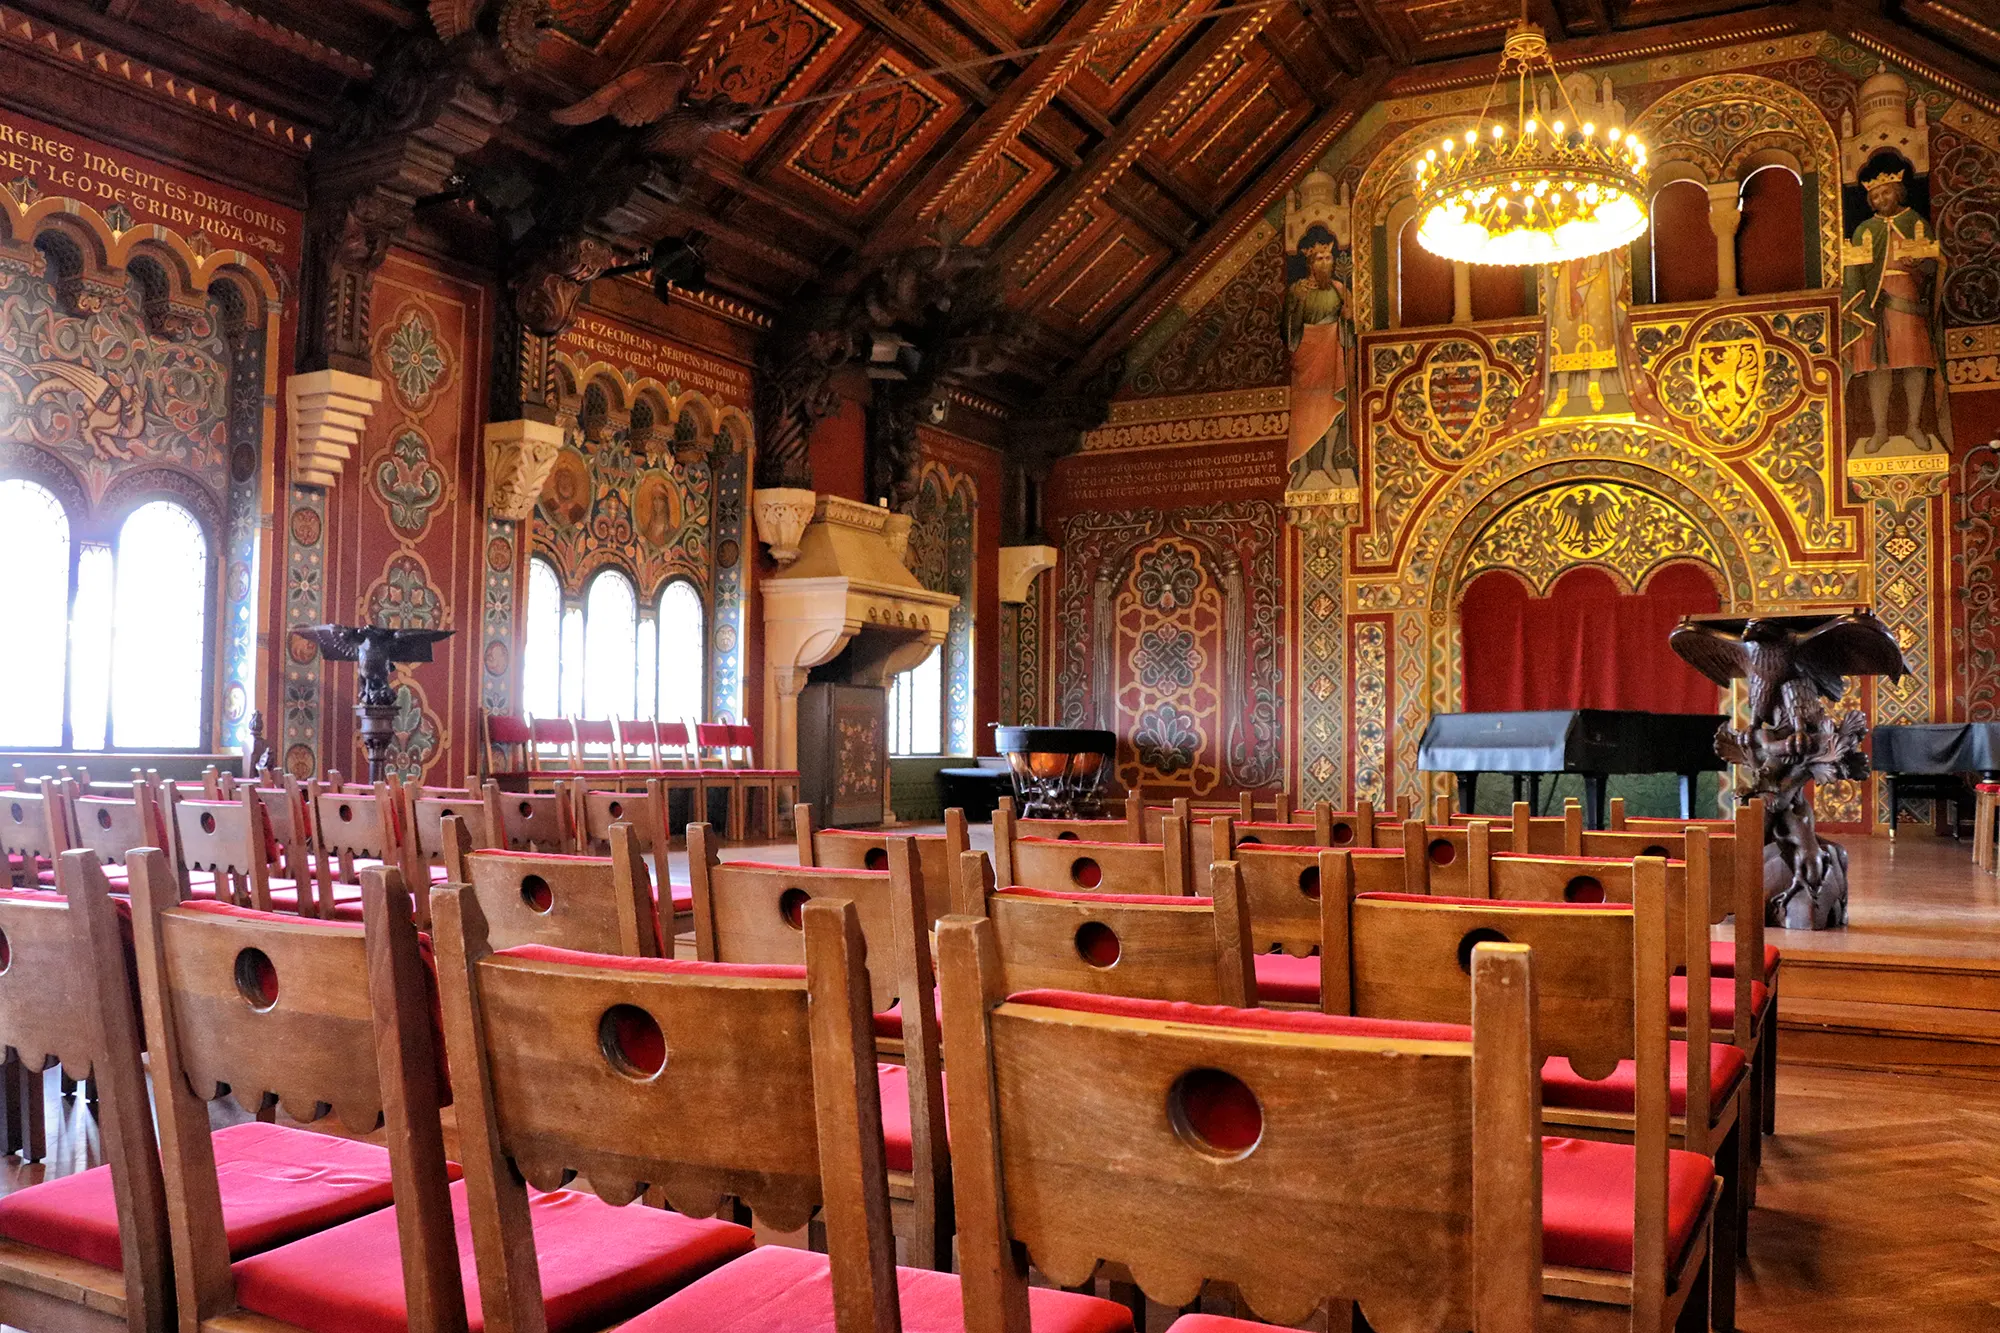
(33, 825)
(479, 817)
(638, 744)
(111, 827)
(551, 743)
(536, 821)
(285, 820)
(1085, 1137)
(1145, 946)
(509, 743)
(596, 743)
(354, 826)
(865, 849)
(676, 745)
(224, 838)
(1449, 851)
(589, 903)
(645, 812)
(1281, 895)
(1739, 882)
(769, 1097)
(314, 1017)
(1102, 867)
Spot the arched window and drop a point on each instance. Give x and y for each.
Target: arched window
(1683, 244)
(610, 646)
(1771, 239)
(159, 629)
(34, 604)
(683, 651)
(541, 668)
(1424, 282)
(916, 707)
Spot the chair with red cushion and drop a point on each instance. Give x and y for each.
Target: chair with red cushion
(750, 912)
(286, 826)
(33, 831)
(767, 782)
(1602, 1029)
(1066, 862)
(310, 1014)
(551, 750)
(219, 850)
(428, 857)
(1304, 1159)
(594, 809)
(865, 849)
(589, 903)
(680, 771)
(712, 745)
(353, 831)
(1139, 945)
(1126, 827)
(1281, 887)
(112, 827)
(507, 742)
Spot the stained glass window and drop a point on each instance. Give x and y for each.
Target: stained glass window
(159, 622)
(683, 651)
(34, 605)
(610, 646)
(541, 667)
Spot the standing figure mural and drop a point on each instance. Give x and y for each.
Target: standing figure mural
(1319, 330)
(1891, 272)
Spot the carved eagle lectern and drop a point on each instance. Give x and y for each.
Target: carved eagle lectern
(374, 648)
(1787, 666)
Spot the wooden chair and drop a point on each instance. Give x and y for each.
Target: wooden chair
(861, 849)
(427, 857)
(594, 904)
(506, 745)
(86, 1251)
(1986, 799)
(595, 813)
(1128, 827)
(769, 1098)
(111, 827)
(218, 850)
(354, 832)
(33, 831)
(596, 745)
(711, 748)
(285, 822)
(536, 822)
(755, 781)
(1140, 945)
(678, 747)
(1095, 1132)
(666, 758)
(551, 748)
(1099, 867)
(1601, 981)
(751, 912)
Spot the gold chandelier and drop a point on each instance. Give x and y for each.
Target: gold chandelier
(1551, 187)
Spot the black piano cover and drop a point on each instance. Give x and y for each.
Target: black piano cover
(1582, 740)
(1942, 747)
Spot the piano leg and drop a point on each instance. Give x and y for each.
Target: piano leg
(1687, 795)
(1468, 788)
(1534, 793)
(1596, 800)
(1889, 780)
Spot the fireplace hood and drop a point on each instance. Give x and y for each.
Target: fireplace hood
(848, 596)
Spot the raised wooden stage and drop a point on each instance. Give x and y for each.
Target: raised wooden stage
(1913, 983)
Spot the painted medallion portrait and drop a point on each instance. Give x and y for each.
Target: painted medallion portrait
(656, 510)
(566, 495)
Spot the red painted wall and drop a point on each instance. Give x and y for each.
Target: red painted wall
(1771, 238)
(839, 452)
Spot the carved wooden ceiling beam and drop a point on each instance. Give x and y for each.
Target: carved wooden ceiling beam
(1339, 40)
(286, 39)
(924, 50)
(1192, 77)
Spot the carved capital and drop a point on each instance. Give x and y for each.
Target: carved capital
(781, 513)
(327, 411)
(896, 532)
(519, 457)
(1019, 565)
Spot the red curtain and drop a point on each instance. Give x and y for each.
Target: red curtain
(1585, 645)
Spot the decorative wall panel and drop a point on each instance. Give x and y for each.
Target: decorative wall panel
(941, 556)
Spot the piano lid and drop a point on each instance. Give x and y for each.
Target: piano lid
(1580, 740)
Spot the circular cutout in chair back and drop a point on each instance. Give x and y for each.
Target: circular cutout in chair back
(1215, 1113)
(1068, 835)
(1086, 873)
(1584, 889)
(1252, 841)
(792, 907)
(1441, 851)
(447, 813)
(615, 809)
(524, 809)
(632, 1042)
(256, 979)
(1097, 944)
(207, 822)
(1309, 882)
(103, 818)
(537, 894)
(18, 815)
(1343, 833)
(1473, 939)
(6, 953)
(877, 858)
(1657, 850)
(346, 813)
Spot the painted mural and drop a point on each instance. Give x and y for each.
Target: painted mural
(941, 556)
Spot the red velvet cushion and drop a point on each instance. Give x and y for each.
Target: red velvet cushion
(1563, 1086)
(1085, 896)
(277, 1183)
(1441, 900)
(1722, 959)
(889, 1023)
(685, 967)
(1082, 846)
(1721, 1000)
(1261, 1020)
(895, 1084)
(1286, 979)
(598, 1263)
(682, 897)
(1587, 1203)
(775, 1289)
(1215, 1323)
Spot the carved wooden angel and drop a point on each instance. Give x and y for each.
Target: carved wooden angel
(655, 94)
(518, 25)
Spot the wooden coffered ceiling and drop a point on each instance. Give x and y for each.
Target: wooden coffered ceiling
(1096, 176)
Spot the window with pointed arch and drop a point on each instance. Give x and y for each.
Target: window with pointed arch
(542, 658)
(610, 645)
(117, 653)
(683, 656)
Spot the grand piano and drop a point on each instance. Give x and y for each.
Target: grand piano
(1595, 742)
(1930, 761)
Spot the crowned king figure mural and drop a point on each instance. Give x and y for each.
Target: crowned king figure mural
(1319, 330)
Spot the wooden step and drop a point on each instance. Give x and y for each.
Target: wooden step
(1892, 979)
(1908, 1038)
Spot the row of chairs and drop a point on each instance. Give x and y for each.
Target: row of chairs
(1295, 1159)
(704, 760)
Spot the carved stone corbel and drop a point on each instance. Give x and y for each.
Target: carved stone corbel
(519, 457)
(781, 513)
(1019, 565)
(327, 410)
